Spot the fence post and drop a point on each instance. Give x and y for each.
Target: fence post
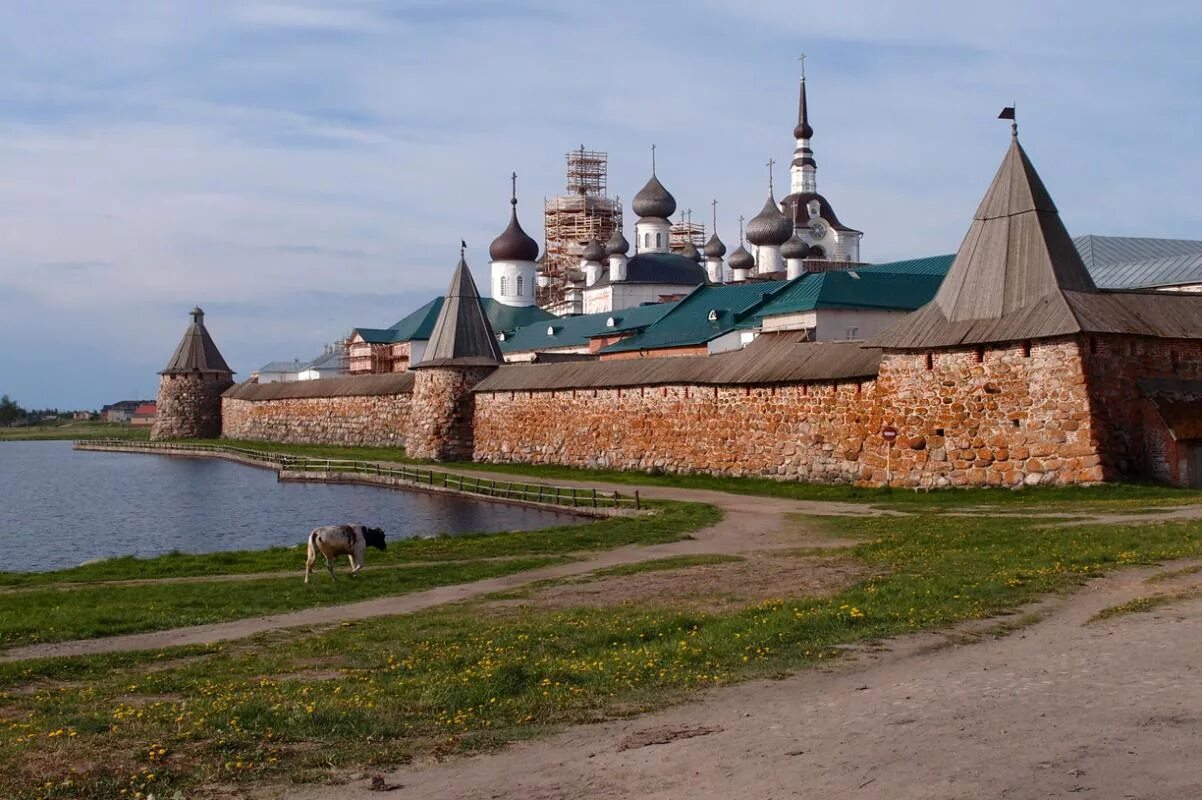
(594, 498)
(636, 500)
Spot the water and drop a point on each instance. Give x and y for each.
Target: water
(61, 507)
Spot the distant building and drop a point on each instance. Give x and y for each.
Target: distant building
(144, 415)
(330, 364)
(278, 372)
(121, 411)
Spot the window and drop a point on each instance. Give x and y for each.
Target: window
(504, 286)
(646, 240)
(659, 240)
(519, 291)
(930, 361)
(979, 355)
(1026, 349)
(853, 333)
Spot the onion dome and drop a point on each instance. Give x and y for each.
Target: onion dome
(714, 247)
(617, 244)
(795, 247)
(653, 200)
(593, 251)
(514, 244)
(741, 259)
(690, 251)
(769, 227)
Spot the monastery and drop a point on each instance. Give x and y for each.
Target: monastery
(1004, 365)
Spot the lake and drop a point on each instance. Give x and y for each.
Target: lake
(60, 507)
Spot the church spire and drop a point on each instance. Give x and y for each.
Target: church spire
(801, 171)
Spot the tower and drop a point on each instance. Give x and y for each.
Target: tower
(616, 249)
(513, 255)
(767, 231)
(190, 387)
(462, 351)
(741, 262)
(817, 226)
(654, 204)
(584, 212)
(714, 250)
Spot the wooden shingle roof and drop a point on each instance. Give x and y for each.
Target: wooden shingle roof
(462, 335)
(1019, 276)
(197, 352)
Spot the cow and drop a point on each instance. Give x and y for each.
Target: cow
(336, 540)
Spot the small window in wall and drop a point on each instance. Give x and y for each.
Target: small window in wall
(659, 240)
(1026, 349)
(979, 355)
(853, 333)
(1093, 345)
(930, 359)
(504, 285)
(519, 290)
(1174, 359)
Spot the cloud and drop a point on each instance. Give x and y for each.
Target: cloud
(299, 168)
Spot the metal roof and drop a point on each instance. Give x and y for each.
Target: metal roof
(1168, 271)
(576, 331)
(418, 325)
(929, 265)
(853, 289)
(690, 323)
(462, 334)
(352, 386)
(666, 268)
(653, 200)
(282, 366)
(196, 352)
(1101, 250)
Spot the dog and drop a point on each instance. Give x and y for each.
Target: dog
(337, 540)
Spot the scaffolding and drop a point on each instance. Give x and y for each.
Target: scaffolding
(686, 231)
(572, 219)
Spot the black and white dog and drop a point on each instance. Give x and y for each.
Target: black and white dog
(337, 540)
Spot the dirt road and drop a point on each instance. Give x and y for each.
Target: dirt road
(1062, 708)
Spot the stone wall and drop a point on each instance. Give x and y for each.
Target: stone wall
(992, 416)
(1134, 439)
(189, 406)
(1009, 415)
(443, 412)
(373, 420)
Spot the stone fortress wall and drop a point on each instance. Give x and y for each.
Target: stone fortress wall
(1060, 412)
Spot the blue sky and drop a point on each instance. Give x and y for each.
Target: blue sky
(300, 167)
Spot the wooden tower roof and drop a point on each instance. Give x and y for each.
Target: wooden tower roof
(196, 351)
(462, 334)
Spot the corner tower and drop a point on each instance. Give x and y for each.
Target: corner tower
(190, 387)
(462, 351)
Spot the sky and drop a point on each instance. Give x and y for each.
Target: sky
(302, 167)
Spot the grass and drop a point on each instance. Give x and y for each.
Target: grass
(74, 430)
(38, 608)
(1109, 497)
(461, 678)
(1142, 605)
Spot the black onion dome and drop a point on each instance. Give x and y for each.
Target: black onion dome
(593, 251)
(514, 244)
(714, 247)
(690, 251)
(653, 200)
(741, 259)
(795, 247)
(769, 226)
(617, 244)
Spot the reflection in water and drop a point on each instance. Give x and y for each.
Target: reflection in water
(60, 507)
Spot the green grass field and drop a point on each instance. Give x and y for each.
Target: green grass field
(74, 430)
(462, 678)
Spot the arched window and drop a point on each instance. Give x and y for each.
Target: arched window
(646, 240)
(504, 286)
(817, 252)
(659, 240)
(519, 291)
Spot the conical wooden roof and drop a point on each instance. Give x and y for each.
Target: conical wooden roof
(196, 351)
(1009, 277)
(462, 335)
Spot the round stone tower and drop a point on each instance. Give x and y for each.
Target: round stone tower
(190, 388)
(462, 351)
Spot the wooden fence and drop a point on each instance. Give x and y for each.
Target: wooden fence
(418, 477)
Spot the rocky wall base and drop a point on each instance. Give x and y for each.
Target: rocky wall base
(370, 421)
(443, 412)
(189, 407)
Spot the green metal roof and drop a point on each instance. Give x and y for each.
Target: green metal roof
(576, 331)
(418, 325)
(689, 322)
(859, 288)
(930, 265)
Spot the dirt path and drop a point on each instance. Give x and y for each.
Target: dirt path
(1062, 708)
(750, 523)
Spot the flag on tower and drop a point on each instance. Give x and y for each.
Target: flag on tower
(1007, 113)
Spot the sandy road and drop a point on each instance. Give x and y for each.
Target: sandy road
(1058, 709)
